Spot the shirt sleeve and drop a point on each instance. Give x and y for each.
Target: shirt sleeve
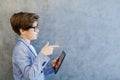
(48, 69)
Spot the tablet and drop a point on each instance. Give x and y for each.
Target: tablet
(62, 56)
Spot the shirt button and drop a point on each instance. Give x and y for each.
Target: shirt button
(43, 63)
(41, 71)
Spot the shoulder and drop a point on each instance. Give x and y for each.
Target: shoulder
(20, 45)
(20, 49)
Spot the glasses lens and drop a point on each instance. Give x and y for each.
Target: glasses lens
(35, 28)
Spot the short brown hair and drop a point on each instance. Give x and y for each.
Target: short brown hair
(22, 20)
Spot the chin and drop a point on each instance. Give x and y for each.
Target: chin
(34, 38)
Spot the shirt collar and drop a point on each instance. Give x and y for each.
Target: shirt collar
(23, 40)
(27, 44)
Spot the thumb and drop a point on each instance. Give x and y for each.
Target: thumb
(47, 44)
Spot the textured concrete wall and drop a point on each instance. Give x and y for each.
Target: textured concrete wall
(7, 36)
(88, 31)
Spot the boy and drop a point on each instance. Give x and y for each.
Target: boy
(27, 64)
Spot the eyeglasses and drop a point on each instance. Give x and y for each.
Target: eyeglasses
(35, 28)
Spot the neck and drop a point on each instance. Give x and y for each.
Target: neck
(25, 39)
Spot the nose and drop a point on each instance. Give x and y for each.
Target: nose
(38, 30)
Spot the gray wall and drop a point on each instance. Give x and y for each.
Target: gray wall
(87, 30)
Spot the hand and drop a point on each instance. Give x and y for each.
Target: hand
(48, 49)
(56, 62)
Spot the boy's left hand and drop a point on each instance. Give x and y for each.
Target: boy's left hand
(56, 62)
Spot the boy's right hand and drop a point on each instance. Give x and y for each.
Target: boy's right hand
(48, 49)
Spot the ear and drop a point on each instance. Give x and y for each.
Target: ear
(22, 31)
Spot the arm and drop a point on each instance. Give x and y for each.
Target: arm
(48, 69)
(29, 70)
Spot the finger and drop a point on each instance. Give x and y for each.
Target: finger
(57, 64)
(47, 44)
(53, 64)
(58, 57)
(54, 46)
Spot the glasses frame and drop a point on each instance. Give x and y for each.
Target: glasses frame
(35, 28)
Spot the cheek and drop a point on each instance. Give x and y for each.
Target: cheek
(33, 35)
(30, 35)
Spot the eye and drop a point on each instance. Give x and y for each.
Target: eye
(37, 27)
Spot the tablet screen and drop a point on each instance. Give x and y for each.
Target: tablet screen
(62, 56)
